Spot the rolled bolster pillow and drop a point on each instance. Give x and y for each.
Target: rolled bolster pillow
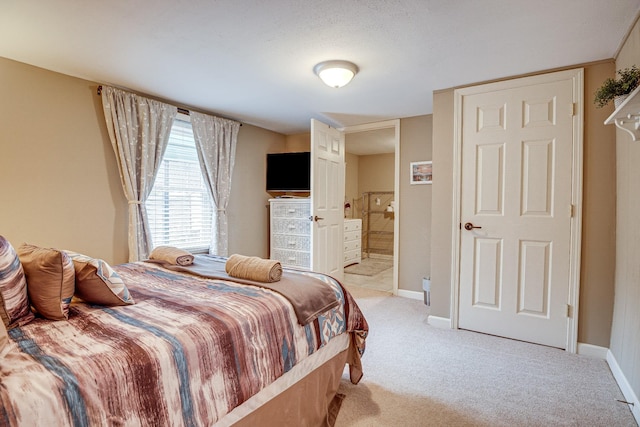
(253, 268)
(171, 255)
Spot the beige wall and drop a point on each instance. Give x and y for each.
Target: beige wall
(442, 204)
(598, 215)
(59, 181)
(625, 333)
(376, 172)
(598, 245)
(415, 205)
(248, 205)
(351, 192)
(58, 177)
(298, 143)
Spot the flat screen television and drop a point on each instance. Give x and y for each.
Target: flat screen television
(289, 172)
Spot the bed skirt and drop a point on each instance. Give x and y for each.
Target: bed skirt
(306, 400)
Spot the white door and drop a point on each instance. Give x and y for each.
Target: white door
(327, 199)
(516, 193)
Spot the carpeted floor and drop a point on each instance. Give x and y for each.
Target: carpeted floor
(418, 375)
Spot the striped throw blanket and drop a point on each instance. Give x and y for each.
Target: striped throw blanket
(188, 352)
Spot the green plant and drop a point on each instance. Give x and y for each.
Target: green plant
(629, 79)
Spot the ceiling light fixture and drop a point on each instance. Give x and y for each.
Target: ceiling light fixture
(336, 73)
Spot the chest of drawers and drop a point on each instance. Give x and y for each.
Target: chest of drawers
(352, 241)
(290, 241)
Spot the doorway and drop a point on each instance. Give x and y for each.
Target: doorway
(372, 204)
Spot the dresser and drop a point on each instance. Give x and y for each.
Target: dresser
(290, 241)
(352, 241)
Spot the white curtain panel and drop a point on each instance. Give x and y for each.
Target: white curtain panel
(216, 141)
(139, 130)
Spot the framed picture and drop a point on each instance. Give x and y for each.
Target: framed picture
(421, 172)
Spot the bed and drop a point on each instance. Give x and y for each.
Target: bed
(191, 351)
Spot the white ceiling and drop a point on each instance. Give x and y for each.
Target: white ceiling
(253, 60)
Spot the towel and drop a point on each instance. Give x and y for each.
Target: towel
(171, 255)
(253, 268)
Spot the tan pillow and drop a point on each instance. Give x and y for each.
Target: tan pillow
(50, 280)
(97, 282)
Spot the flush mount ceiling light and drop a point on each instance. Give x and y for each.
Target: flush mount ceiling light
(336, 73)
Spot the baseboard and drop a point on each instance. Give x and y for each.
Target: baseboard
(624, 385)
(594, 351)
(439, 322)
(411, 294)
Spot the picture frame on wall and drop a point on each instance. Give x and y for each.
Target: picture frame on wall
(421, 172)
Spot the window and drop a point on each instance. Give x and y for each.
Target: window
(179, 207)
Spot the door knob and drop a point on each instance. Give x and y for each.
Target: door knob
(469, 226)
(315, 218)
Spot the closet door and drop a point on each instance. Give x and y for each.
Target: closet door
(517, 211)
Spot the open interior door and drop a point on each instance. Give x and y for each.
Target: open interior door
(327, 199)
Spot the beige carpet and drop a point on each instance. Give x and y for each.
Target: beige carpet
(418, 375)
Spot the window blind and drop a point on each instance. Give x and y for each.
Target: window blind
(179, 207)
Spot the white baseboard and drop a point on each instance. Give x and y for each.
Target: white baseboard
(439, 322)
(411, 294)
(594, 351)
(624, 385)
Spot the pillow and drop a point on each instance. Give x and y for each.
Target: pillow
(50, 280)
(97, 283)
(14, 302)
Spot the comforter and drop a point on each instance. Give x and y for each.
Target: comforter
(188, 352)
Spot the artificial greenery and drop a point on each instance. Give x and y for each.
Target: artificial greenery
(629, 79)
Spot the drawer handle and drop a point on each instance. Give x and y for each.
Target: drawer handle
(291, 226)
(291, 210)
(292, 243)
(291, 258)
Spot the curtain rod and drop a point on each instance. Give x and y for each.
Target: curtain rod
(180, 110)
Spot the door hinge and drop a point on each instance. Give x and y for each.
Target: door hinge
(569, 314)
(572, 109)
(571, 210)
